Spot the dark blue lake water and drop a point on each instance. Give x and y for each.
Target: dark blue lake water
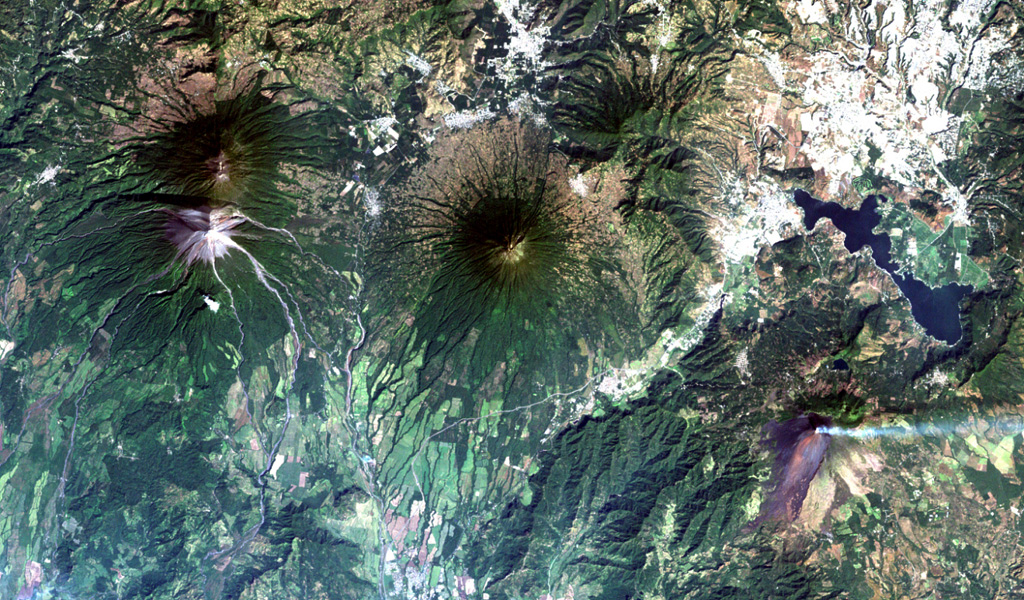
(936, 309)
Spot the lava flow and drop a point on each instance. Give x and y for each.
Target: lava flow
(800, 445)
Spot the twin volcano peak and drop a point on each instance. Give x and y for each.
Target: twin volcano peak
(203, 233)
(220, 168)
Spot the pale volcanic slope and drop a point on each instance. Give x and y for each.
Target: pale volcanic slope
(203, 234)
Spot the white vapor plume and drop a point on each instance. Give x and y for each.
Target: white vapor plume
(1004, 426)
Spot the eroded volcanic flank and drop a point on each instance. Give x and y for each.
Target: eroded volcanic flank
(231, 152)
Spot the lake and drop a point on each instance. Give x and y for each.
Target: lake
(936, 309)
